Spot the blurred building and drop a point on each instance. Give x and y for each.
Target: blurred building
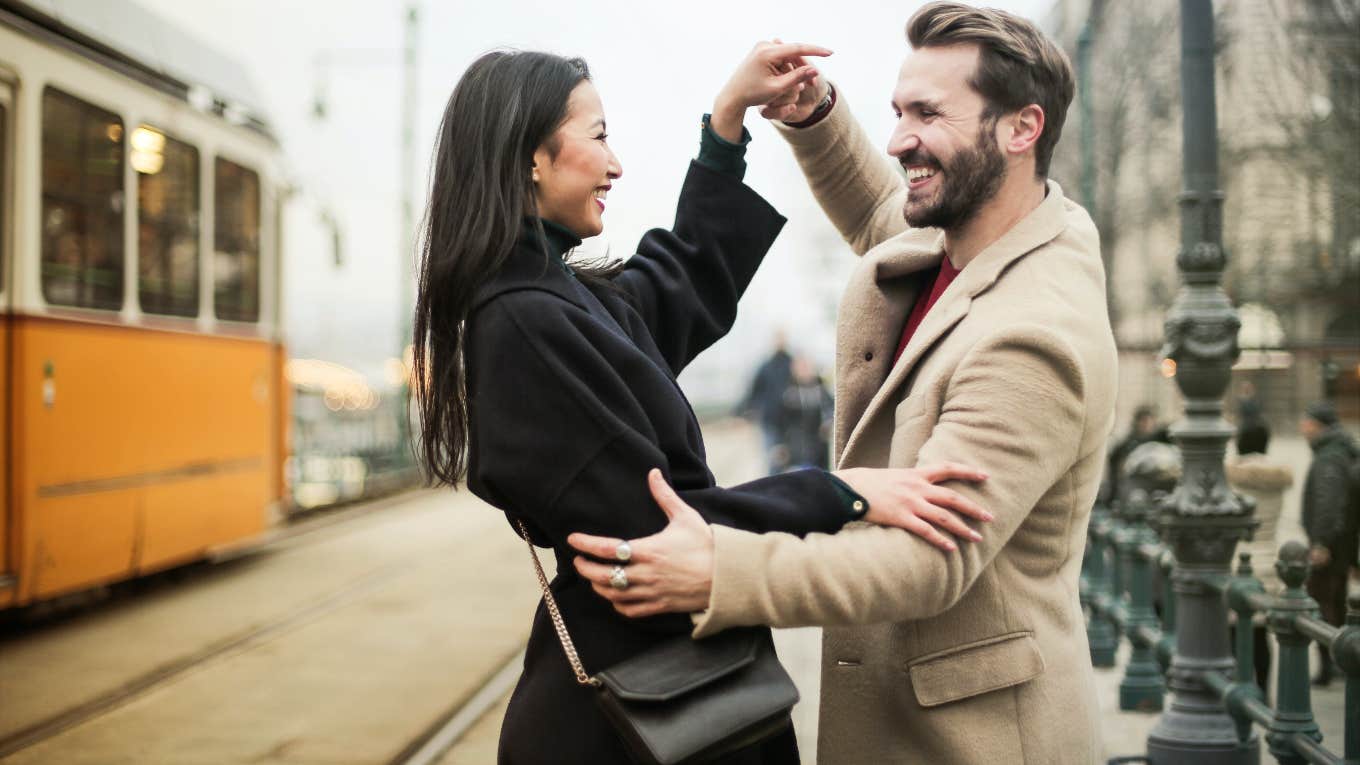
(1289, 125)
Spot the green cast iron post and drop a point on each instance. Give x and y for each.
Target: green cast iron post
(1148, 472)
(1088, 162)
(1347, 651)
(1293, 703)
(1100, 633)
(1203, 519)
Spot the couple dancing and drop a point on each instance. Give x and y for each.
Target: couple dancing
(974, 395)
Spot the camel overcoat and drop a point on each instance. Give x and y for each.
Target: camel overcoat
(978, 656)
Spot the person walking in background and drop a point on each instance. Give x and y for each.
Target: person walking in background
(1265, 480)
(764, 401)
(1143, 429)
(1253, 432)
(805, 418)
(1331, 517)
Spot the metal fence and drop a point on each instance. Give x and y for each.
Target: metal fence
(1127, 589)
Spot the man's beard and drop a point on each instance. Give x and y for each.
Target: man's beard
(970, 179)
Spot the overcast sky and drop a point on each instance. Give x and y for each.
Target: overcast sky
(657, 66)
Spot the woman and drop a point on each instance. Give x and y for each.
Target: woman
(558, 382)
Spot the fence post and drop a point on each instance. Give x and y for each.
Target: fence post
(1293, 702)
(1349, 659)
(1100, 634)
(1149, 471)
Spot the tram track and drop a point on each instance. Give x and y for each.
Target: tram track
(448, 729)
(166, 673)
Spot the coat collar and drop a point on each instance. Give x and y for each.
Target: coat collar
(536, 263)
(918, 249)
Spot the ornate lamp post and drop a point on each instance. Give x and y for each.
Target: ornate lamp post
(1202, 520)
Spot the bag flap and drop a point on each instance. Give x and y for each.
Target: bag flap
(975, 668)
(681, 665)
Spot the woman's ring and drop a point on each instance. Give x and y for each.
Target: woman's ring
(618, 578)
(624, 552)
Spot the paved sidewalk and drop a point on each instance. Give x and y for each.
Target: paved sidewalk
(735, 456)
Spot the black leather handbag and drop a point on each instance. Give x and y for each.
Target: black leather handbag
(687, 701)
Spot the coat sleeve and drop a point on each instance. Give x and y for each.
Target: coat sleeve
(1327, 500)
(571, 451)
(1005, 391)
(856, 184)
(685, 282)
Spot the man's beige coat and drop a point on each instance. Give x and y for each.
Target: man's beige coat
(978, 656)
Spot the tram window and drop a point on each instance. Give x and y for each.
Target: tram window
(236, 240)
(82, 203)
(167, 222)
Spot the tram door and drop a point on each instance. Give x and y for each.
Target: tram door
(7, 246)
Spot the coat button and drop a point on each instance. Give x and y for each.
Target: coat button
(868, 355)
(858, 505)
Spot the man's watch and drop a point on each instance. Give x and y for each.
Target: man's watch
(823, 107)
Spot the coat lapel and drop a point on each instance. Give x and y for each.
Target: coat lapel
(1039, 227)
(877, 298)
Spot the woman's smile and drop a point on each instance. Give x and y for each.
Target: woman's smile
(576, 155)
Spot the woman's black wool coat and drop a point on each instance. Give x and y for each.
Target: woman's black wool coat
(573, 398)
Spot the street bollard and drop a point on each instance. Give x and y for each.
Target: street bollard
(1100, 632)
(1346, 649)
(1149, 471)
(1293, 702)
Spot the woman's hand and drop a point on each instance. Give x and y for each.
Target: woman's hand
(772, 70)
(910, 499)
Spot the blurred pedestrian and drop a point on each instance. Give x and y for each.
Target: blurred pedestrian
(1265, 480)
(550, 386)
(1253, 432)
(1142, 430)
(805, 419)
(1331, 517)
(764, 402)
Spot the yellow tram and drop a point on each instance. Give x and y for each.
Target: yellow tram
(142, 400)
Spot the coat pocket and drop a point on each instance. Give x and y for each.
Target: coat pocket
(975, 668)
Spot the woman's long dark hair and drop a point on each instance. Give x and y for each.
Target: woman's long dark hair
(506, 105)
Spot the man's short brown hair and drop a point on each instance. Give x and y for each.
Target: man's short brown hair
(1017, 64)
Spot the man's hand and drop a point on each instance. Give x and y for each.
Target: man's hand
(668, 572)
(771, 72)
(910, 499)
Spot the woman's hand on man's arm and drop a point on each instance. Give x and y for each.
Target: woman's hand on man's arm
(912, 499)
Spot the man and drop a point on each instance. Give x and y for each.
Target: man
(977, 655)
(763, 400)
(1143, 430)
(1331, 516)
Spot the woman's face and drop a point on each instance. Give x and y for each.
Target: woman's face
(572, 185)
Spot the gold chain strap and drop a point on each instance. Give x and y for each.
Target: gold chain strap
(568, 647)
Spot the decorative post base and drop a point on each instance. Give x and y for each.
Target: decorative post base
(1100, 634)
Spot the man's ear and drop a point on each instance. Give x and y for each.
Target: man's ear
(1026, 126)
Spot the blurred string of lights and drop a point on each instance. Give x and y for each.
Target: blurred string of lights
(342, 388)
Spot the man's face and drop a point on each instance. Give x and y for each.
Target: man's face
(949, 151)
